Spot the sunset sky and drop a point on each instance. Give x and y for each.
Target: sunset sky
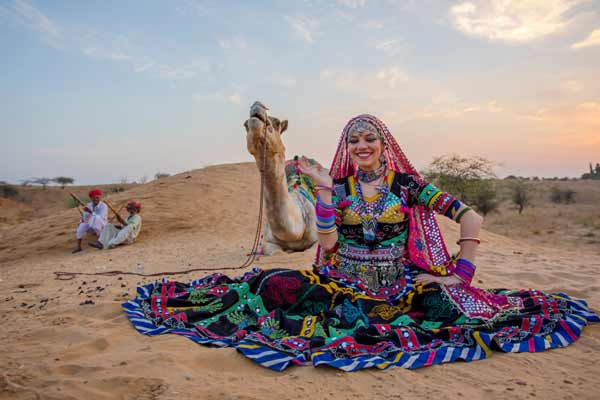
(105, 90)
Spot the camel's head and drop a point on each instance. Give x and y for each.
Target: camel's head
(257, 135)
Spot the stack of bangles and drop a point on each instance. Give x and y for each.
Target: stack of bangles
(464, 270)
(325, 214)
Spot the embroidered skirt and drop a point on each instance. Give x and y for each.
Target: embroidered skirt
(282, 317)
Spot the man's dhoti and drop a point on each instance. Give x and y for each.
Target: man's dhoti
(111, 236)
(94, 224)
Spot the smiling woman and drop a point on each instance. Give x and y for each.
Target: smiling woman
(383, 290)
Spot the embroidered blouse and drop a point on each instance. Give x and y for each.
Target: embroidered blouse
(405, 191)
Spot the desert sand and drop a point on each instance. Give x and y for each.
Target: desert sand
(55, 347)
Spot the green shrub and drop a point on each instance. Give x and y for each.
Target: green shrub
(72, 203)
(8, 191)
(562, 196)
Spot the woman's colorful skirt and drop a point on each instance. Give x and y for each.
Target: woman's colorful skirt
(282, 317)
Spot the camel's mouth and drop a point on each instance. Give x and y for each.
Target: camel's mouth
(260, 116)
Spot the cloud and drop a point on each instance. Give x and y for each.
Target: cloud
(374, 24)
(392, 76)
(287, 82)
(572, 86)
(302, 28)
(592, 40)
(141, 66)
(512, 21)
(200, 8)
(390, 47)
(96, 52)
(235, 98)
(352, 3)
(448, 105)
(25, 14)
(219, 97)
(182, 72)
(236, 43)
(346, 80)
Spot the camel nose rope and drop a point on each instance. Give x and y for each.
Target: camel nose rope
(67, 275)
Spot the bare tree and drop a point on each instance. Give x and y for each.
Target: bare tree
(41, 181)
(63, 181)
(460, 175)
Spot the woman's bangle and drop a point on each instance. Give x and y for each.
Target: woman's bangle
(323, 187)
(327, 230)
(463, 212)
(323, 204)
(465, 270)
(468, 239)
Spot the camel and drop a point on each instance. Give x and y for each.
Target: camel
(290, 215)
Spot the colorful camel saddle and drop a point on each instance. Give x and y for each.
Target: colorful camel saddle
(282, 317)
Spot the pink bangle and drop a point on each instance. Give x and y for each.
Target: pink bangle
(323, 187)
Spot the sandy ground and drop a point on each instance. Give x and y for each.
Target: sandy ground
(53, 347)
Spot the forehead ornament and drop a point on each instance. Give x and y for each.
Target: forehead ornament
(362, 126)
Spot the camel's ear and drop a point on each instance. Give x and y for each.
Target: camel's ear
(284, 126)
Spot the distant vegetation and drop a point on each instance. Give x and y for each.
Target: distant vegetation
(63, 181)
(593, 174)
(469, 179)
(520, 195)
(160, 175)
(72, 203)
(41, 181)
(562, 196)
(8, 191)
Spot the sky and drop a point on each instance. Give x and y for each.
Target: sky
(110, 90)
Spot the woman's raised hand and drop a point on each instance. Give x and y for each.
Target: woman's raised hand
(315, 171)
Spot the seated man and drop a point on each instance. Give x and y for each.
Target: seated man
(94, 217)
(114, 235)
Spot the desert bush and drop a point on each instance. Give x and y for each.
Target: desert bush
(116, 189)
(160, 175)
(483, 196)
(8, 191)
(520, 195)
(72, 203)
(562, 196)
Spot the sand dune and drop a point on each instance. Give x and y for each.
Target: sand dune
(55, 348)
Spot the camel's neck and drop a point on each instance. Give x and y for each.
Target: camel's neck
(276, 193)
(283, 213)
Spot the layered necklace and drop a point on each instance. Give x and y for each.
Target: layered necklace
(371, 176)
(370, 212)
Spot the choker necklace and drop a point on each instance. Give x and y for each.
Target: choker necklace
(370, 176)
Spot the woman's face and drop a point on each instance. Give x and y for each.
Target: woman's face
(365, 149)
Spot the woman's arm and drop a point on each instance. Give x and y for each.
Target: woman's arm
(327, 234)
(327, 240)
(470, 223)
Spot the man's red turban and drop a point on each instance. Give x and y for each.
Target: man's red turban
(95, 192)
(135, 204)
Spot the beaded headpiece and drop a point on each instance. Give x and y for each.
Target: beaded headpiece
(361, 126)
(425, 245)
